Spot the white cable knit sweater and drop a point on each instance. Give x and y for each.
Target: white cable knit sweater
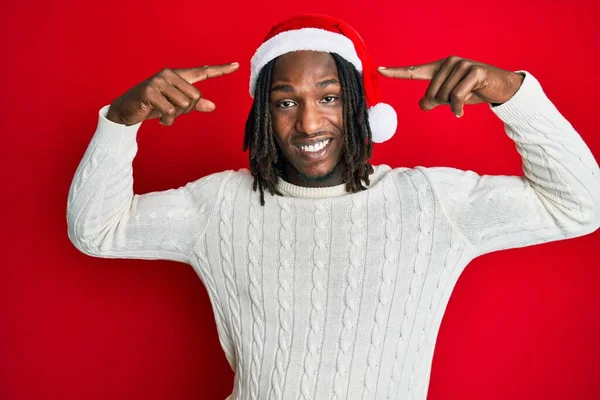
(326, 295)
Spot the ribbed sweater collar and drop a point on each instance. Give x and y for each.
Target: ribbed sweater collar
(290, 190)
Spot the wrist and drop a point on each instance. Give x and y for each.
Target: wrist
(515, 82)
(112, 115)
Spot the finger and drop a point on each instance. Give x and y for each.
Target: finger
(205, 105)
(463, 93)
(426, 104)
(173, 95)
(193, 75)
(430, 99)
(162, 108)
(423, 71)
(189, 90)
(459, 70)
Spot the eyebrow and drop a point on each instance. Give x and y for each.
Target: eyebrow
(290, 88)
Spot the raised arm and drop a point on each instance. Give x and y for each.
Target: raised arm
(558, 197)
(104, 216)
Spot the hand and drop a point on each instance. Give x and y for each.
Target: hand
(167, 95)
(457, 81)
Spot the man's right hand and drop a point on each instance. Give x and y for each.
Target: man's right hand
(166, 95)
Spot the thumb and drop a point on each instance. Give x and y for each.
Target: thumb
(205, 105)
(428, 104)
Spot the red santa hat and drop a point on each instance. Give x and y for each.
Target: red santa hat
(323, 33)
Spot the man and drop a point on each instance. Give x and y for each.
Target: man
(332, 284)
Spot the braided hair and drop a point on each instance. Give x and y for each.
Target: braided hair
(266, 159)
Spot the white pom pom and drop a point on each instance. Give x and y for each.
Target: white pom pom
(383, 121)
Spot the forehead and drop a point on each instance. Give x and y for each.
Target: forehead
(304, 64)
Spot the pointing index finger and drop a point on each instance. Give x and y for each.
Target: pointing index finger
(197, 74)
(421, 72)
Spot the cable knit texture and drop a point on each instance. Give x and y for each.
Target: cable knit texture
(322, 294)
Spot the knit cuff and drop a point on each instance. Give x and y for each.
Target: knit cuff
(113, 137)
(525, 105)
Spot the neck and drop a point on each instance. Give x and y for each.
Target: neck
(333, 178)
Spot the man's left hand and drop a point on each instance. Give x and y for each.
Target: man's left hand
(457, 81)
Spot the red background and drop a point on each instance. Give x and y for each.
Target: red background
(521, 324)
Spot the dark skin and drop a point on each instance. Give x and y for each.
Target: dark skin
(306, 109)
(456, 81)
(166, 95)
(306, 103)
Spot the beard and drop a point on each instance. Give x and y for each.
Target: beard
(309, 178)
(317, 178)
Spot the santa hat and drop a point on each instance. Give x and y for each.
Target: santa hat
(323, 33)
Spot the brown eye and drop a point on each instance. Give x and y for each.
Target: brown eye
(332, 99)
(285, 104)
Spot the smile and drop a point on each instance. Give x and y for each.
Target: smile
(314, 148)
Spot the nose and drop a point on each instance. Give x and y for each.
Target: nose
(309, 119)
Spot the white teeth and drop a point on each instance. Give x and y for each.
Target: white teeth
(315, 147)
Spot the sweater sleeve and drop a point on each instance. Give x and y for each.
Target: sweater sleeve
(106, 219)
(557, 198)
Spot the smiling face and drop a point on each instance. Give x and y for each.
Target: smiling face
(306, 110)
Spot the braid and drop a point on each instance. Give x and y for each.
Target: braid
(266, 162)
(358, 145)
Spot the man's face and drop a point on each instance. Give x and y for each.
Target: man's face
(306, 109)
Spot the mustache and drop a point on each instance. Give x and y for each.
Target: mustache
(302, 137)
(307, 135)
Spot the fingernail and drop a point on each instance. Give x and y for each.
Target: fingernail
(458, 116)
(234, 64)
(380, 68)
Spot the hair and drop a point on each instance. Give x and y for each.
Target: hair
(266, 159)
